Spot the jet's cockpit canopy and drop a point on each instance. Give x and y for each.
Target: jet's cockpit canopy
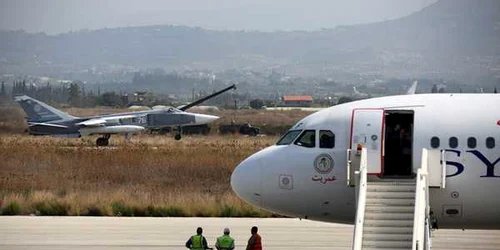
(289, 137)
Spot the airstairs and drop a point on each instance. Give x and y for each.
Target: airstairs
(394, 214)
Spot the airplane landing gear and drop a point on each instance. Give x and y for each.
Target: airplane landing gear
(103, 141)
(178, 136)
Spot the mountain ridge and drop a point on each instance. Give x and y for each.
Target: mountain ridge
(449, 36)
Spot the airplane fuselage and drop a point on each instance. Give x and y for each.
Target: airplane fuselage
(303, 180)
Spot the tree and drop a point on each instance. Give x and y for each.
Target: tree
(110, 99)
(441, 90)
(494, 91)
(344, 99)
(74, 94)
(3, 89)
(256, 103)
(434, 88)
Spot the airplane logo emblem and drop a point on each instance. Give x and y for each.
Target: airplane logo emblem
(323, 164)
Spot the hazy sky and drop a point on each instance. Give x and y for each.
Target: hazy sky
(57, 16)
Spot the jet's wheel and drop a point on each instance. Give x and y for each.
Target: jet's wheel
(178, 136)
(102, 142)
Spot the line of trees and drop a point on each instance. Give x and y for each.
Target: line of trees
(72, 93)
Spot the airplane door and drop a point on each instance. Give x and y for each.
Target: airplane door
(367, 131)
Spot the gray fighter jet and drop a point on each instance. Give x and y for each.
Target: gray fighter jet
(46, 120)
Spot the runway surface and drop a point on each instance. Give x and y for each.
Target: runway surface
(55, 233)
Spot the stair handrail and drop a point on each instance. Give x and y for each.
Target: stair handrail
(349, 165)
(422, 209)
(360, 211)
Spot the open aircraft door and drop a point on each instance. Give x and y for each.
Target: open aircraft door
(367, 130)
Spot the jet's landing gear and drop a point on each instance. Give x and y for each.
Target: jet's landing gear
(178, 136)
(103, 141)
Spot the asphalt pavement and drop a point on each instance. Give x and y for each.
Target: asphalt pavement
(92, 233)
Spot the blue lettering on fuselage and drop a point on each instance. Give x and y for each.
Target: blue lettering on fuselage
(490, 166)
(460, 167)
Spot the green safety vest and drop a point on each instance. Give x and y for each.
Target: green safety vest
(225, 241)
(197, 242)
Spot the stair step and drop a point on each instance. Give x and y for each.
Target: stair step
(391, 195)
(389, 209)
(387, 237)
(378, 188)
(390, 202)
(392, 183)
(388, 230)
(388, 244)
(388, 216)
(390, 248)
(388, 223)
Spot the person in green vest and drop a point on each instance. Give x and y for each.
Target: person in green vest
(225, 242)
(197, 241)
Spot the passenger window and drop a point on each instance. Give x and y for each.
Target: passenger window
(471, 142)
(453, 142)
(490, 142)
(326, 139)
(435, 142)
(288, 137)
(307, 139)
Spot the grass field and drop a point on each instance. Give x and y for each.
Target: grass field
(151, 175)
(147, 176)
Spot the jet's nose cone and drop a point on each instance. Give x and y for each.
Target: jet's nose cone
(204, 119)
(245, 180)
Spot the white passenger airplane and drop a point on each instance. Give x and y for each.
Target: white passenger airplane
(305, 174)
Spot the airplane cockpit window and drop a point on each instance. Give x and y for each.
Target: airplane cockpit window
(326, 139)
(288, 137)
(490, 142)
(307, 139)
(471, 142)
(453, 142)
(435, 142)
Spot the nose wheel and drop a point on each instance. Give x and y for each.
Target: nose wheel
(103, 141)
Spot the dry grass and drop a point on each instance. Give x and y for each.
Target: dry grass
(12, 120)
(149, 176)
(152, 175)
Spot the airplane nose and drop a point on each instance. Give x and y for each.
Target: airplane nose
(245, 180)
(204, 119)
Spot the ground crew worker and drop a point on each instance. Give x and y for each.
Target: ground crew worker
(255, 241)
(225, 242)
(197, 241)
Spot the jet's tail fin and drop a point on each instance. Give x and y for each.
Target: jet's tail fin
(413, 88)
(38, 111)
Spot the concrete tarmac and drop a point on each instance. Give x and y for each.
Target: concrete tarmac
(55, 233)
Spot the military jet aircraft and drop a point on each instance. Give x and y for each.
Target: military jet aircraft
(46, 120)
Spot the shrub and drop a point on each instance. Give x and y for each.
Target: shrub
(140, 211)
(51, 208)
(228, 211)
(120, 209)
(13, 208)
(94, 211)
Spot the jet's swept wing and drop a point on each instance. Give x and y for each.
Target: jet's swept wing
(186, 107)
(101, 121)
(46, 124)
(92, 123)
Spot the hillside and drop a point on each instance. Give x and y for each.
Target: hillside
(449, 39)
